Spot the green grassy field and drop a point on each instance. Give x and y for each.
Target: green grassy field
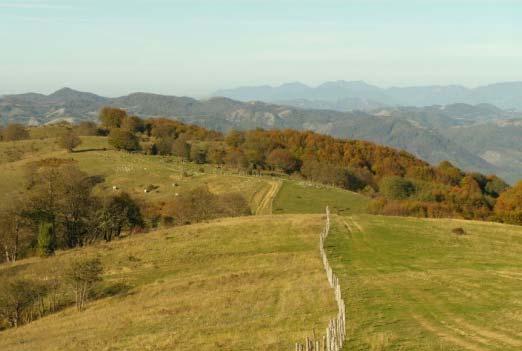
(302, 197)
(253, 283)
(131, 172)
(256, 283)
(411, 284)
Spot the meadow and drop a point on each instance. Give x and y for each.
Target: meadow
(132, 172)
(306, 197)
(252, 283)
(257, 282)
(413, 284)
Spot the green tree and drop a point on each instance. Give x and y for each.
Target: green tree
(123, 140)
(116, 214)
(396, 188)
(46, 239)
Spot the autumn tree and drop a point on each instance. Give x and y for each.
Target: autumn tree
(164, 145)
(509, 205)
(111, 118)
(87, 128)
(15, 132)
(234, 138)
(495, 186)
(284, 160)
(133, 124)
(60, 194)
(181, 147)
(198, 154)
(216, 154)
(69, 140)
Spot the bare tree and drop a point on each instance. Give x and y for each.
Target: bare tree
(82, 275)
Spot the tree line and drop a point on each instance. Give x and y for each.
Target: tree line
(398, 182)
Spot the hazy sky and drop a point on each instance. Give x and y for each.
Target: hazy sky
(192, 47)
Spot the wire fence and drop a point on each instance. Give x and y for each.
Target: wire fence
(333, 340)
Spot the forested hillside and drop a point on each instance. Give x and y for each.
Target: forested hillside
(434, 133)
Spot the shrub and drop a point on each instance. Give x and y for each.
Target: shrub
(458, 231)
(14, 132)
(123, 140)
(200, 204)
(69, 140)
(396, 188)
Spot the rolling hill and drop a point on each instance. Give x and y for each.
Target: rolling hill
(257, 282)
(433, 133)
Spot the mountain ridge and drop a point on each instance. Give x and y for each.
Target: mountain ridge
(433, 133)
(507, 95)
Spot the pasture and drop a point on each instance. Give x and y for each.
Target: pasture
(413, 284)
(305, 197)
(252, 283)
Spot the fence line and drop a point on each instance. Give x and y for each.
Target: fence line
(333, 340)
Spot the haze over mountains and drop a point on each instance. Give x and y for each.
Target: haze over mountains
(478, 137)
(358, 95)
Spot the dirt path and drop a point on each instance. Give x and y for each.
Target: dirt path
(265, 206)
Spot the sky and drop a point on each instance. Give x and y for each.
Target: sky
(194, 47)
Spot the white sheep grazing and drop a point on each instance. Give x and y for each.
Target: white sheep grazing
(114, 188)
(145, 191)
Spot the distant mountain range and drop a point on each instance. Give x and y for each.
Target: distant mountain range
(479, 137)
(358, 95)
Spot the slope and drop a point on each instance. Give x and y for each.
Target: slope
(412, 284)
(233, 284)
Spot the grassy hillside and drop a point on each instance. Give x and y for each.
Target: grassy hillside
(131, 172)
(412, 284)
(302, 197)
(252, 283)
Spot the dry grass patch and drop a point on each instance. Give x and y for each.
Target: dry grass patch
(237, 284)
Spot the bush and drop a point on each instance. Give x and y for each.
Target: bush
(14, 132)
(396, 188)
(200, 204)
(69, 140)
(123, 140)
(458, 231)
